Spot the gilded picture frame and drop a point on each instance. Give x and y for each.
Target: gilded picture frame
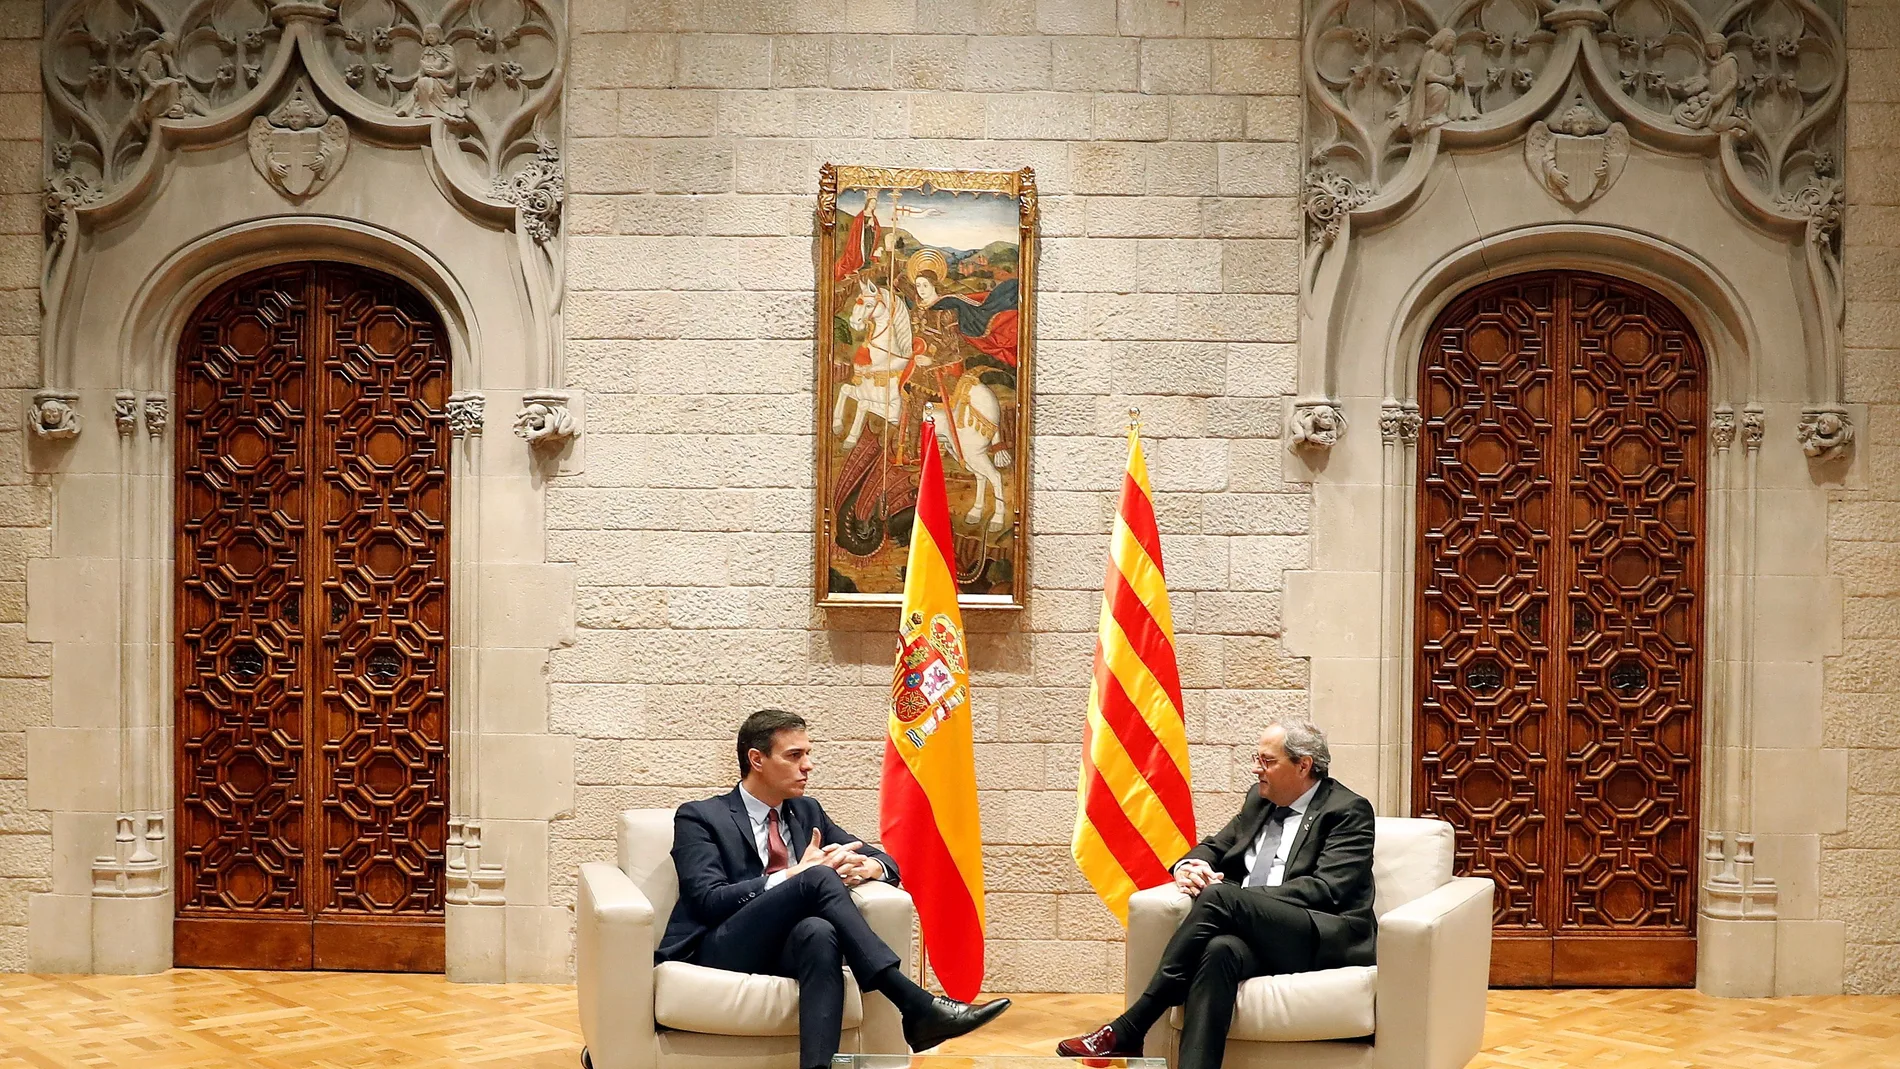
(926, 304)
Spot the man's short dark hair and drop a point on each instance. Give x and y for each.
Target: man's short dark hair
(760, 729)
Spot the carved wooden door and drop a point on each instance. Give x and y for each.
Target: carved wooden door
(312, 612)
(1560, 619)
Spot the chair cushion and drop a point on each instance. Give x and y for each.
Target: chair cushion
(693, 998)
(1411, 857)
(1302, 1006)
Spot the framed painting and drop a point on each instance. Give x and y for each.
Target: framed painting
(926, 315)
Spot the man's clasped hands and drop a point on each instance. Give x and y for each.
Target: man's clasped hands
(854, 868)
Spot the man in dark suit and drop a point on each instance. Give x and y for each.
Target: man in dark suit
(1285, 887)
(764, 888)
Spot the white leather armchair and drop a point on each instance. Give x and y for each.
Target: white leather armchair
(636, 1015)
(1420, 1007)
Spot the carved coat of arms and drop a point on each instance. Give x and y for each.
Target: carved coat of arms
(1578, 155)
(299, 146)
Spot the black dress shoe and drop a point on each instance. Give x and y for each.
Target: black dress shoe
(947, 1019)
(586, 1062)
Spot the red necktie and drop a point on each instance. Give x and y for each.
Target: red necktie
(776, 859)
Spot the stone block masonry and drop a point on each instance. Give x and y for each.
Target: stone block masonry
(26, 698)
(1163, 137)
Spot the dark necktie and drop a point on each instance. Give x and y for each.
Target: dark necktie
(776, 857)
(1269, 845)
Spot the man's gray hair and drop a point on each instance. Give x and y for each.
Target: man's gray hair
(1305, 739)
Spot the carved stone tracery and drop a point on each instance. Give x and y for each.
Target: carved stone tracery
(1755, 86)
(474, 82)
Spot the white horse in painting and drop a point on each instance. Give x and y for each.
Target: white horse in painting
(972, 426)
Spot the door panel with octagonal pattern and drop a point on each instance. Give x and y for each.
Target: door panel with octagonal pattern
(312, 612)
(1559, 620)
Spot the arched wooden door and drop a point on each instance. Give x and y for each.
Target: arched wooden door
(1559, 620)
(312, 614)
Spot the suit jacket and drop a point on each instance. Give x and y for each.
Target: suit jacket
(1328, 870)
(719, 868)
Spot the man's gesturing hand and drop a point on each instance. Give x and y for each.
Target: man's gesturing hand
(1194, 875)
(836, 856)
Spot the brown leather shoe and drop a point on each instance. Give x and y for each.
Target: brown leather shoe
(1101, 1043)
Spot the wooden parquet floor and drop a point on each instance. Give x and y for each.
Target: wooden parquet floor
(214, 1019)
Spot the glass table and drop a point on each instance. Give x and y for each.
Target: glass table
(987, 1061)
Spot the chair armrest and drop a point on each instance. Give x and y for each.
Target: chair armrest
(1153, 915)
(613, 958)
(1434, 969)
(889, 911)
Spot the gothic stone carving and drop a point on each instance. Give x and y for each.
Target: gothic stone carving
(465, 411)
(55, 415)
(544, 421)
(157, 414)
(1756, 87)
(299, 147)
(1578, 155)
(1316, 425)
(127, 79)
(1399, 422)
(125, 412)
(1825, 433)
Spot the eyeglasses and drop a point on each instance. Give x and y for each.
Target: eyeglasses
(1259, 762)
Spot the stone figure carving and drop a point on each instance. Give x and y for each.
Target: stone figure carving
(1825, 434)
(544, 419)
(1709, 97)
(1439, 94)
(55, 417)
(1399, 422)
(1578, 155)
(163, 91)
(299, 147)
(436, 92)
(1317, 425)
(125, 412)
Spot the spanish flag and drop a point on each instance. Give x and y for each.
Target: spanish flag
(1134, 817)
(928, 818)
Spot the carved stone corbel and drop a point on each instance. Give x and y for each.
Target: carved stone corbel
(125, 412)
(1316, 426)
(1754, 425)
(56, 415)
(544, 421)
(1825, 432)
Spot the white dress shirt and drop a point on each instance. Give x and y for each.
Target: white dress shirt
(757, 812)
(1278, 871)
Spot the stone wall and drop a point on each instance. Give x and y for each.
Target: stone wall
(1860, 867)
(1163, 137)
(25, 505)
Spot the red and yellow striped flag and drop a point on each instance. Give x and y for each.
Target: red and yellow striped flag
(928, 809)
(1134, 817)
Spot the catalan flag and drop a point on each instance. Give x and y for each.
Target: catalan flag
(928, 806)
(1134, 817)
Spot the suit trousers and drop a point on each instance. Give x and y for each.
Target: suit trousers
(1231, 933)
(809, 929)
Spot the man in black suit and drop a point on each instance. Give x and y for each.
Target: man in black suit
(1285, 887)
(764, 888)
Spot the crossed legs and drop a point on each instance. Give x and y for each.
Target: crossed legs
(809, 929)
(1231, 934)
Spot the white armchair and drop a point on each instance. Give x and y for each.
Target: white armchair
(636, 1015)
(1420, 1007)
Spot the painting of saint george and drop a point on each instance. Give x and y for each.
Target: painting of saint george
(925, 315)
